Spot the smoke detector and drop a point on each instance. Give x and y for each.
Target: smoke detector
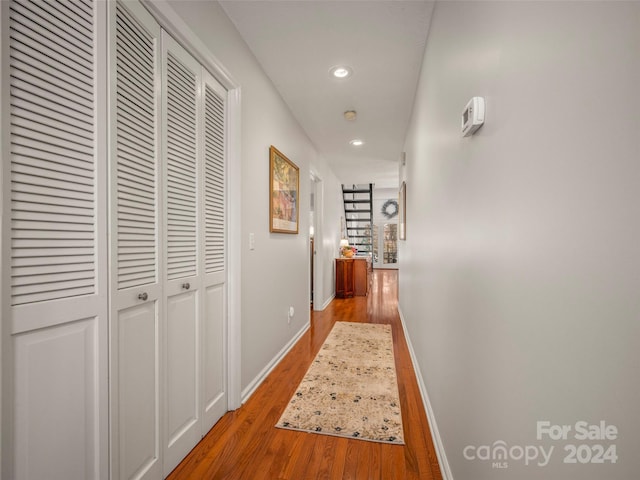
(350, 115)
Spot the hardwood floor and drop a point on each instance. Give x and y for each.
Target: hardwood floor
(245, 444)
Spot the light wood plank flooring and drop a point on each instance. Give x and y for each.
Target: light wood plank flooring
(244, 444)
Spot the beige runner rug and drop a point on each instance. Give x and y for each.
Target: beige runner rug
(351, 388)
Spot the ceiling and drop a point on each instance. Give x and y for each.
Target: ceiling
(297, 42)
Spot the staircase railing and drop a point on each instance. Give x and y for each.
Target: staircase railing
(358, 214)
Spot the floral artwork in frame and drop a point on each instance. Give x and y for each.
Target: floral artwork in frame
(284, 188)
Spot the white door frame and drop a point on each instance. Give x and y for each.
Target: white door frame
(319, 256)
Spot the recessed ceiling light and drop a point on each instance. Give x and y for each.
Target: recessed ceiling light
(356, 142)
(340, 71)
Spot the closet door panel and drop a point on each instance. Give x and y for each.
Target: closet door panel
(137, 399)
(214, 333)
(182, 365)
(182, 279)
(136, 263)
(54, 238)
(56, 402)
(215, 252)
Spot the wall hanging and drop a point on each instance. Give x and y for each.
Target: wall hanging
(389, 209)
(284, 187)
(402, 219)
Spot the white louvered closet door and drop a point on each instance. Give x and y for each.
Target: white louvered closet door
(181, 89)
(215, 253)
(136, 259)
(56, 173)
(195, 251)
(168, 271)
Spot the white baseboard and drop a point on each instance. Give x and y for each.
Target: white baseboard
(435, 434)
(255, 383)
(329, 300)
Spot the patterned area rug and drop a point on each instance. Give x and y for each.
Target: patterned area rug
(351, 388)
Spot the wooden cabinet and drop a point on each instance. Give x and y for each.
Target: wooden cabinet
(344, 277)
(352, 277)
(361, 276)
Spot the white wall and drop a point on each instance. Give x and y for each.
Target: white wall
(520, 283)
(276, 274)
(380, 196)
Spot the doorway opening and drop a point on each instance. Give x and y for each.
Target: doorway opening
(312, 231)
(385, 245)
(318, 254)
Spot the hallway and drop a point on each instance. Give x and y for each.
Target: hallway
(245, 444)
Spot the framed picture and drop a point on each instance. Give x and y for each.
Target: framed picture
(402, 212)
(284, 189)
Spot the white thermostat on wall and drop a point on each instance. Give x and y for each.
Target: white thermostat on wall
(472, 116)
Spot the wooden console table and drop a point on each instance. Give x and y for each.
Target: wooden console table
(353, 276)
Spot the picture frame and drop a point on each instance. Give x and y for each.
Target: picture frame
(284, 193)
(402, 212)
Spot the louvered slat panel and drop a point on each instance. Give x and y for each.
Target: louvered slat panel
(53, 203)
(136, 151)
(181, 170)
(214, 182)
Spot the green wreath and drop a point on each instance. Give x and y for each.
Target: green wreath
(389, 209)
